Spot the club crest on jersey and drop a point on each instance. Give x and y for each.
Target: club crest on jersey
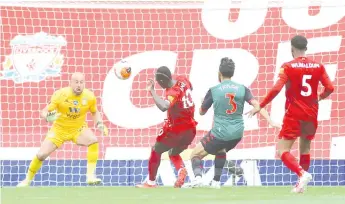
(75, 103)
(33, 58)
(84, 101)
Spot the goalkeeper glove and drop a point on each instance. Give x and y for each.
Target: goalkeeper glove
(101, 127)
(52, 116)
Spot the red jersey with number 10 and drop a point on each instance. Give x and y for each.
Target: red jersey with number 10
(301, 77)
(181, 110)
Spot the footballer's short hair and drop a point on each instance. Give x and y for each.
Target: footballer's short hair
(163, 70)
(227, 67)
(299, 42)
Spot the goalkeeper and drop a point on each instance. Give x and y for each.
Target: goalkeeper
(67, 111)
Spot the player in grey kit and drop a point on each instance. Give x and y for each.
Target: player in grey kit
(228, 98)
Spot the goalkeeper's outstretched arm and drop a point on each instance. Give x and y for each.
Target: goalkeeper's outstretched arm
(44, 112)
(48, 115)
(49, 112)
(96, 116)
(97, 119)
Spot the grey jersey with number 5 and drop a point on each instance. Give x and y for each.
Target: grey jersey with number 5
(228, 100)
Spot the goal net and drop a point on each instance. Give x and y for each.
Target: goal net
(43, 42)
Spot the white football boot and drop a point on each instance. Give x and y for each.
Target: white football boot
(93, 180)
(215, 184)
(302, 183)
(196, 183)
(24, 183)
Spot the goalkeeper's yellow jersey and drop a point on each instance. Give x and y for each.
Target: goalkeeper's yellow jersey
(73, 108)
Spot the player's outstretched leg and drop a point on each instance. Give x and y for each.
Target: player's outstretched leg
(219, 162)
(290, 162)
(176, 160)
(87, 138)
(154, 161)
(197, 170)
(46, 149)
(196, 158)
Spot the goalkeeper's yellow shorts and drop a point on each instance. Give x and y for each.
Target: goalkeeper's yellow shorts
(59, 135)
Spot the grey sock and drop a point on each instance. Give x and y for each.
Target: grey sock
(219, 163)
(196, 165)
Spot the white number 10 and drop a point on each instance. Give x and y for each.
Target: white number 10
(187, 99)
(306, 84)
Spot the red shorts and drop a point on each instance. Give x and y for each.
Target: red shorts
(293, 128)
(176, 137)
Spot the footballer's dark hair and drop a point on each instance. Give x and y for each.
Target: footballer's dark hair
(163, 70)
(299, 42)
(227, 67)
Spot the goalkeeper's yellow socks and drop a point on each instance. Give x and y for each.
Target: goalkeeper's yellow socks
(35, 165)
(92, 157)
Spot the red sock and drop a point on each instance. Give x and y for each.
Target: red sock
(291, 163)
(304, 161)
(177, 161)
(154, 161)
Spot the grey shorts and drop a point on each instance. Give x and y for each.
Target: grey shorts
(212, 145)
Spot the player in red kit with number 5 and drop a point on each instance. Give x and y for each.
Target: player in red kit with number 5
(301, 76)
(179, 129)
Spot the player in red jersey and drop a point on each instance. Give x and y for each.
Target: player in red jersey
(301, 76)
(179, 129)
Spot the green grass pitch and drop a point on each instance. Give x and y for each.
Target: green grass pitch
(165, 195)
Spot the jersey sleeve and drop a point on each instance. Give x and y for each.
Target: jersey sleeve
(326, 82)
(248, 96)
(208, 101)
(93, 104)
(55, 100)
(283, 79)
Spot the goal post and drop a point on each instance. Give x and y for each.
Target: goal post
(43, 42)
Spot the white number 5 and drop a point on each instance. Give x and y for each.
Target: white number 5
(306, 84)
